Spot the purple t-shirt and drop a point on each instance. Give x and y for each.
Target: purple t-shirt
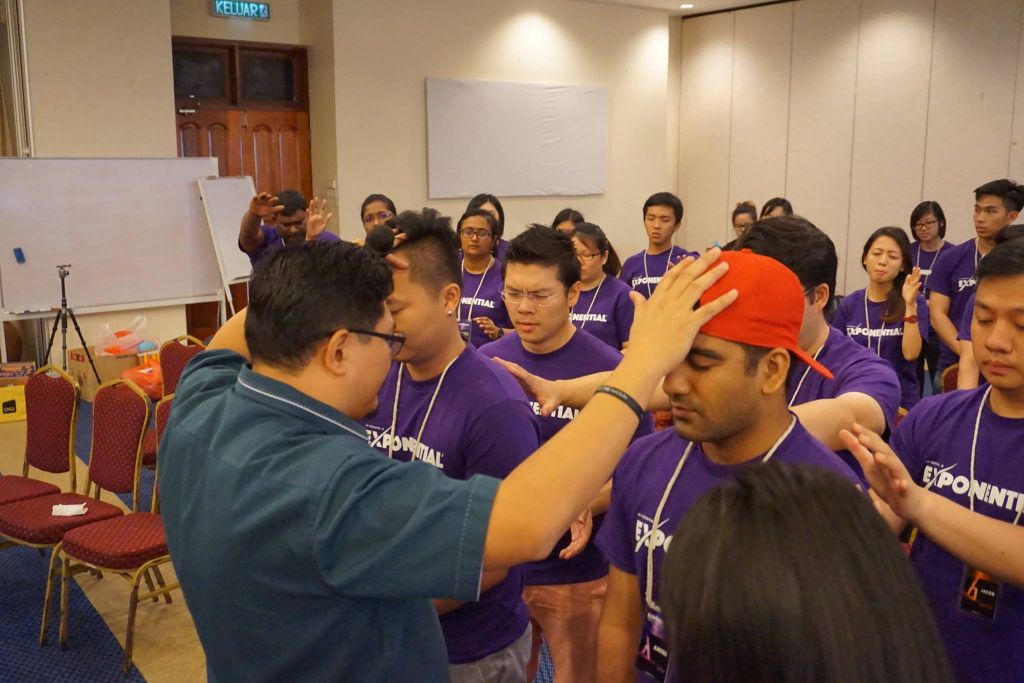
(606, 312)
(934, 442)
(638, 486)
(481, 296)
(854, 369)
(925, 260)
(963, 330)
(481, 423)
(583, 354)
(953, 275)
(886, 339)
(272, 240)
(643, 271)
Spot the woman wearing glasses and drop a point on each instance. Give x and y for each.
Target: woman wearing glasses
(604, 308)
(482, 314)
(375, 210)
(928, 226)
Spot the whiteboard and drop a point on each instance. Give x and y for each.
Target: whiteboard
(515, 139)
(133, 231)
(225, 200)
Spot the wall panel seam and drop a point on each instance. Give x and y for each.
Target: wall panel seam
(928, 99)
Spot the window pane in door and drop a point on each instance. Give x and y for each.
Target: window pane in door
(268, 78)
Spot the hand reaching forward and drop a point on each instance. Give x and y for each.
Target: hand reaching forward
(885, 472)
(317, 218)
(264, 205)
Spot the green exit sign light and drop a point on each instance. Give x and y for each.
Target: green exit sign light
(232, 9)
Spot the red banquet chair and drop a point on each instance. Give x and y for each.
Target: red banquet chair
(120, 412)
(133, 546)
(174, 356)
(51, 404)
(949, 376)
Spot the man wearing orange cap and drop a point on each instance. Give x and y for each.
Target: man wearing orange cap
(730, 412)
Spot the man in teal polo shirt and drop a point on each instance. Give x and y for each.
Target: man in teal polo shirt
(304, 554)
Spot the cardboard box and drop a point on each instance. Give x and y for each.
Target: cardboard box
(109, 367)
(12, 403)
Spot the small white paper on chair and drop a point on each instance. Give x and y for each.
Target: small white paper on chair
(69, 510)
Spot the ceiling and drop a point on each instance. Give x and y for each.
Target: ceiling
(699, 6)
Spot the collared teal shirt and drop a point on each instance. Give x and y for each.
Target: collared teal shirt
(304, 554)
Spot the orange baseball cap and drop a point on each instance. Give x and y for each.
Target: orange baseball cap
(769, 309)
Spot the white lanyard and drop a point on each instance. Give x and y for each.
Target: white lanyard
(430, 407)
(867, 324)
(804, 376)
(649, 589)
(302, 407)
(920, 250)
(591, 307)
(974, 449)
(469, 315)
(647, 276)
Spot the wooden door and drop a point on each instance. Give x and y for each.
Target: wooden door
(272, 146)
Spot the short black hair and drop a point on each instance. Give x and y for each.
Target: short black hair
(540, 245)
(1005, 260)
(1010, 232)
(799, 245)
(665, 199)
(775, 203)
(292, 200)
(301, 293)
(431, 247)
(923, 209)
(1008, 190)
(568, 214)
(481, 199)
(742, 208)
(833, 598)
(492, 225)
(370, 199)
(752, 355)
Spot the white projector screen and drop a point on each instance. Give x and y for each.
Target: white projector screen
(515, 139)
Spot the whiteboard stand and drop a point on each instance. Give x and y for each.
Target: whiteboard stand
(225, 200)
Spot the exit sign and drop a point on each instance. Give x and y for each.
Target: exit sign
(232, 9)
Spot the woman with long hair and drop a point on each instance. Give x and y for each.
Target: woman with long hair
(928, 228)
(890, 315)
(604, 308)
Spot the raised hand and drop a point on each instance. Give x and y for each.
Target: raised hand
(911, 286)
(885, 472)
(488, 326)
(579, 533)
(665, 326)
(545, 391)
(264, 205)
(317, 218)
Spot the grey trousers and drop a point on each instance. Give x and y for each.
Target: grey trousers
(504, 666)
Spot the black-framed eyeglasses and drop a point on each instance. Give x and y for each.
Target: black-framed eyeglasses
(395, 341)
(470, 233)
(381, 216)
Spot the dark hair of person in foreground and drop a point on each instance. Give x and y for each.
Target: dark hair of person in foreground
(789, 575)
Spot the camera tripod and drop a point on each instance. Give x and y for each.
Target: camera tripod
(62, 318)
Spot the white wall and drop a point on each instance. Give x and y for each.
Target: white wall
(384, 50)
(855, 110)
(100, 90)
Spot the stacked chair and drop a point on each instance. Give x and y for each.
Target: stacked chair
(174, 356)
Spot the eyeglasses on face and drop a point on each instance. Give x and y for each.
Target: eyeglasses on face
(585, 256)
(395, 341)
(470, 233)
(926, 224)
(379, 216)
(515, 297)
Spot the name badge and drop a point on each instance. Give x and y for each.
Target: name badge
(465, 327)
(979, 594)
(653, 656)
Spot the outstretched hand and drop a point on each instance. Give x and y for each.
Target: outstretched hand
(264, 205)
(544, 391)
(885, 472)
(665, 326)
(579, 533)
(317, 218)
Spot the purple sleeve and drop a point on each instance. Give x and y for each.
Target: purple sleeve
(903, 443)
(269, 236)
(924, 318)
(615, 539)
(326, 236)
(500, 438)
(939, 280)
(876, 378)
(963, 330)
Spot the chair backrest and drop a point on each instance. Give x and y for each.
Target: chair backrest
(120, 412)
(174, 356)
(163, 414)
(949, 376)
(51, 404)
